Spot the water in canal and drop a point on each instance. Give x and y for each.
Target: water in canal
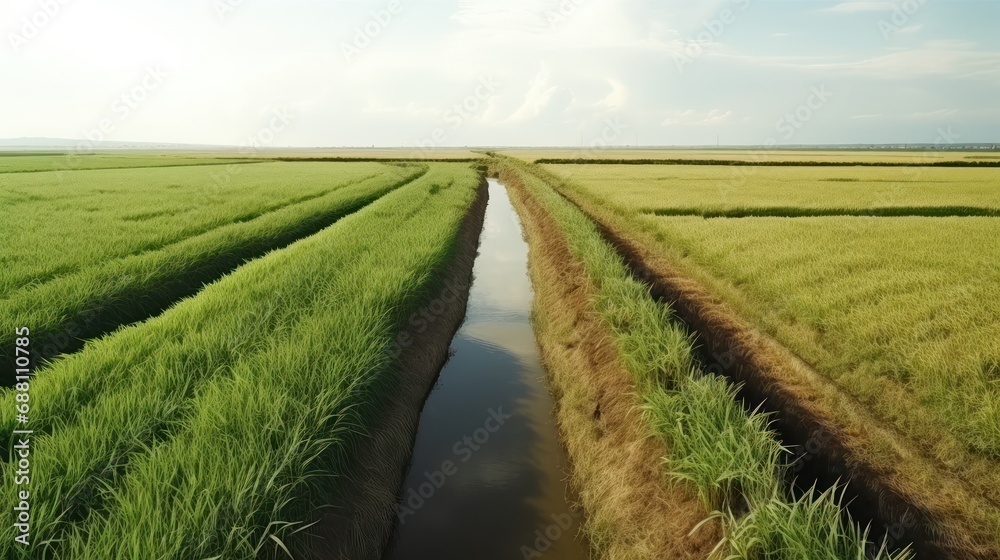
(488, 477)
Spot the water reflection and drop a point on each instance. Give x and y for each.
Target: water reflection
(487, 477)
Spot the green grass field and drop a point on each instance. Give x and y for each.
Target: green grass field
(111, 247)
(63, 162)
(917, 156)
(734, 191)
(254, 392)
(908, 303)
(255, 305)
(901, 313)
(96, 216)
(67, 162)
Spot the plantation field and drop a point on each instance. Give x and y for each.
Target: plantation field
(900, 313)
(61, 162)
(102, 248)
(55, 227)
(256, 393)
(918, 156)
(735, 191)
(371, 153)
(904, 313)
(909, 302)
(64, 162)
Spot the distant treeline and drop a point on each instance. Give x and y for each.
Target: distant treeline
(765, 163)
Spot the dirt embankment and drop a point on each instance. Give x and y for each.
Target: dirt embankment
(632, 512)
(360, 525)
(826, 427)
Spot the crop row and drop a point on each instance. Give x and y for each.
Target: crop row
(208, 429)
(98, 297)
(93, 217)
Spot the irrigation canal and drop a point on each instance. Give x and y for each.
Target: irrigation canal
(488, 474)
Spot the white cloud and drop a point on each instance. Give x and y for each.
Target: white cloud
(537, 98)
(603, 59)
(934, 114)
(696, 118)
(951, 45)
(854, 7)
(956, 59)
(527, 15)
(616, 99)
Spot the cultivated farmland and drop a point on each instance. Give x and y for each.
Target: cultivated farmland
(257, 394)
(745, 361)
(898, 315)
(121, 245)
(909, 157)
(67, 162)
(735, 191)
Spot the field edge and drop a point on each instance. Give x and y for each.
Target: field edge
(630, 510)
(363, 531)
(809, 408)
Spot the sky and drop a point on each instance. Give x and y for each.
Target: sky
(439, 73)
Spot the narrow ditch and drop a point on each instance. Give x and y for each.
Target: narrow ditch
(821, 459)
(488, 473)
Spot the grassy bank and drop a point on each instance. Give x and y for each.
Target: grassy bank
(615, 466)
(256, 394)
(714, 449)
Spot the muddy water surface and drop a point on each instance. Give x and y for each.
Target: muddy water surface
(488, 478)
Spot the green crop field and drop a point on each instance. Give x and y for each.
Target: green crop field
(912, 326)
(865, 311)
(102, 248)
(65, 162)
(95, 216)
(915, 156)
(256, 304)
(901, 313)
(69, 161)
(549, 280)
(738, 191)
(254, 392)
(368, 153)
